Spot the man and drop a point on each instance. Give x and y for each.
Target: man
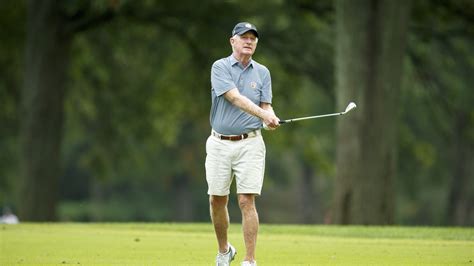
(241, 104)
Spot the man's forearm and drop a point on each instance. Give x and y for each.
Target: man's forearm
(248, 106)
(268, 107)
(264, 111)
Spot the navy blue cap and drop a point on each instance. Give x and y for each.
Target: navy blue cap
(244, 27)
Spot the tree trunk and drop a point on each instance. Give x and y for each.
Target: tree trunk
(309, 202)
(46, 62)
(459, 200)
(183, 201)
(369, 58)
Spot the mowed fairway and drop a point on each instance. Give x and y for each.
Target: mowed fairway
(194, 244)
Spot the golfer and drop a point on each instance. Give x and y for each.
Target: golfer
(241, 104)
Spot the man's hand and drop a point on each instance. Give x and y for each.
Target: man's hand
(270, 120)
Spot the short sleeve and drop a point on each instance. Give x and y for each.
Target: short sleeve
(266, 96)
(221, 78)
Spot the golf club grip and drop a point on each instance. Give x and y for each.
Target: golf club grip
(282, 122)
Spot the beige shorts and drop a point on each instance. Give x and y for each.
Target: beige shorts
(244, 159)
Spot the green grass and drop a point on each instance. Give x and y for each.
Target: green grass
(194, 244)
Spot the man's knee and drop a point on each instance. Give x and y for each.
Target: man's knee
(246, 201)
(218, 202)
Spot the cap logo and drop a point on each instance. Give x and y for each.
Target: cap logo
(248, 25)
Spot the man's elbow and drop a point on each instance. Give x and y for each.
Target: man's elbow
(232, 97)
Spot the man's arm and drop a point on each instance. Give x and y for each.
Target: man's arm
(267, 106)
(265, 112)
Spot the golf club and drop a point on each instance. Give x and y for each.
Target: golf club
(349, 107)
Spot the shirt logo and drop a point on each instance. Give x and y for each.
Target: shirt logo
(253, 85)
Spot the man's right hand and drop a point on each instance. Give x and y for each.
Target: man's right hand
(271, 120)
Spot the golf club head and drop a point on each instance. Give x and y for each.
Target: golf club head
(350, 106)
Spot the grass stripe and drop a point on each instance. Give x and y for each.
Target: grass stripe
(194, 244)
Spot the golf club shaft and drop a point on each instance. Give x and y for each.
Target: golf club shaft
(309, 117)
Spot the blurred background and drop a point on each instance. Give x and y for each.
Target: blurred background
(104, 109)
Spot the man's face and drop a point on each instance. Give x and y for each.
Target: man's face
(245, 44)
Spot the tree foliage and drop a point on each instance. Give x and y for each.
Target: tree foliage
(137, 98)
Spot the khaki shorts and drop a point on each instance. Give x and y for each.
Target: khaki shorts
(244, 159)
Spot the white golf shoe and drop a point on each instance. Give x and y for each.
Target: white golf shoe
(249, 263)
(225, 259)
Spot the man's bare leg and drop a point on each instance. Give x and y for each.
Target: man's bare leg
(220, 219)
(249, 224)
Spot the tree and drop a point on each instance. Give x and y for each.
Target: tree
(370, 37)
(435, 146)
(50, 31)
(11, 50)
(52, 26)
(42, 98)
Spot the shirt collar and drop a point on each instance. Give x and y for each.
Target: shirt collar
(234, 61)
